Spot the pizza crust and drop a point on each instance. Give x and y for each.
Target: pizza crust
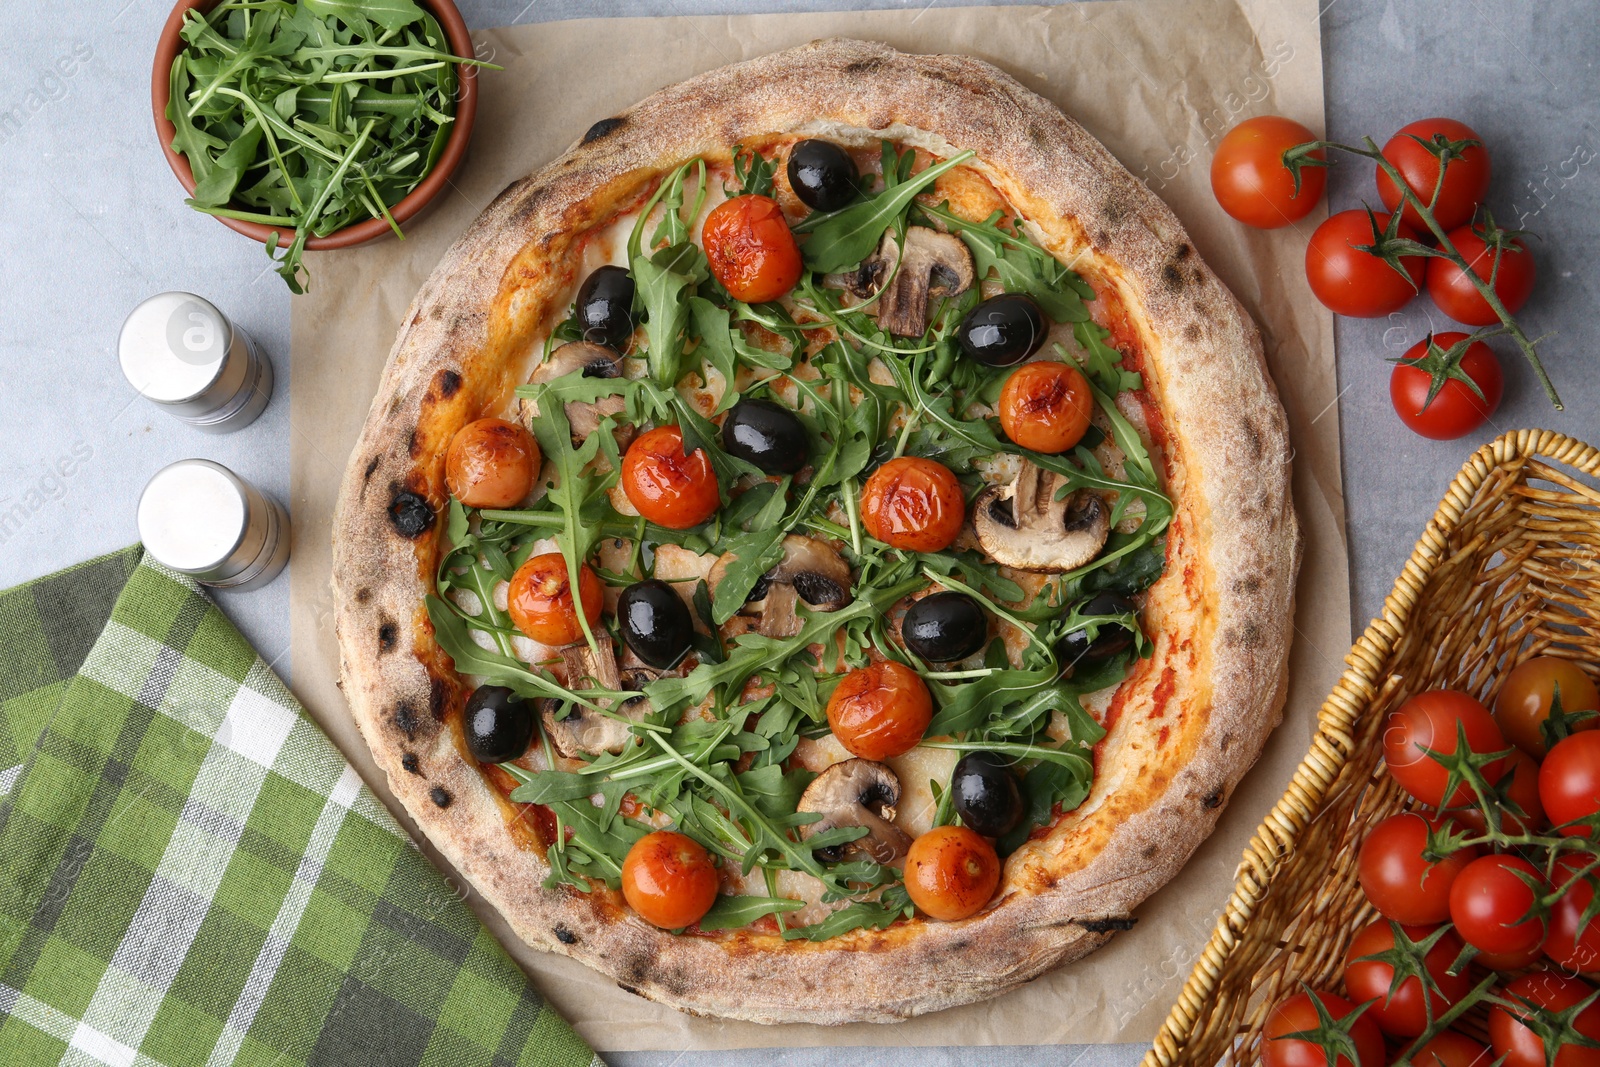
(1190, 720)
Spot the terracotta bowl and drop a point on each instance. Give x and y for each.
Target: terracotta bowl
(455, 149)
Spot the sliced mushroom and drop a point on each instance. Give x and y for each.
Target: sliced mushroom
(810, 570)
(1025, 526)
(857, 792)
(585, 731)
(932, 265)
(594, 361)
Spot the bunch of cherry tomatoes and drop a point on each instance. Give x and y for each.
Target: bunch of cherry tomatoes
(1486, 898)
(1253, 184)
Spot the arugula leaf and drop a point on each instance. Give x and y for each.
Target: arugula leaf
(846, 237)
(664, 284)
(752, 173)
(1019, 265)
(891, 906)
(731, 912)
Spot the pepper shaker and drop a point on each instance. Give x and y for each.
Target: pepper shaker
(201, 519)
(184, 355)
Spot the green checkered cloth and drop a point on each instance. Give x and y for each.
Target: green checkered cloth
(190, 873)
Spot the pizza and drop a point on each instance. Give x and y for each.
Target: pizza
(821, 549)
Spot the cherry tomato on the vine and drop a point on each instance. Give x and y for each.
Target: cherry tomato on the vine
(1429, 722)
(540, 599)
(669, 487)
(1520, 1044)
(1356, 283)
(913, 503)
(1522, 790)
(1527, 694)
(1250, 181)
(491, 463)
(1046, 406)
(1455, 410)
(669, 879)
(1572, 943)
(1451, 1049)
(1569, 782)
(1466, 179)
(1490, 904)
(951, 872)
(750, 248)
(1298, 1014)
(1511, 281)
(880, 711)
(1398, 881)
(1403, 1012)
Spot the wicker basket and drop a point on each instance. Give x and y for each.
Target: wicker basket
(1508, 568)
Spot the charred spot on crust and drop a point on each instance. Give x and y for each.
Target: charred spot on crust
(1172, 277)
(438, 698)
(563, 935)
(1192, 333)
(1212, 799)
(1106, 926)
(405, 717)
(363, 595)
(1246, 636)
(1039, 135)
(1252, 434)
(602, 128)
(410, 513)
(409, 762)
(449, 383)
(440, 796)
(1182, 252)
(1150, 851)
(1247, 585)
(387, 633)
(413, 445)
(863, 66)
(626, 988)
(366, 475)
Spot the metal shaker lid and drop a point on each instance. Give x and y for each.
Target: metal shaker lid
(174, 347)
(201, 519)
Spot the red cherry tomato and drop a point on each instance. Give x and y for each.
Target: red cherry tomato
(1569, 782)
(1524, 702)
(491, 463)
(1520, 1044)
(750, 248)
(1046, 406)
(1356, 283)
(1398, 881)
(1403, 1012)
(1250, 181)
(913, 503)
(1490, 902)
(1466, 179)
(667, 486)
(1573, 944)
(1455, 410)
(1429, 722)
(1455, 295)
(880, 711)
(669, 879)
(1451, 1049)
(951, 872)
(540, 599)
(1297, 1015)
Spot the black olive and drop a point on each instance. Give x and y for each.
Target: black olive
(655, 623)
(605, 307)
(822, 175)
(985, 794)
(944, 627)
(498, 724)
(766, 434)
(1075, 649)
(1003, 330)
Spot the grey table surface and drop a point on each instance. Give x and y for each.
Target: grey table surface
(92, 223)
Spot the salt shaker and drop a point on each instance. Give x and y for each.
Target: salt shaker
(183, 354)
(201, 519)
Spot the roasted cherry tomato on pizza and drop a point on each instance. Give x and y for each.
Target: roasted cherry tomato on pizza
(667, 486)
(669, 879)
(1404, 1011)
(1046, 406)
(1523, 1045)
(1569, 783)
(1354, 282)
(1398, 880)
(951, 873)
(1298, 1014)
(1250, 181)
(913, 503)
(1466, 176)
(750, 248)
(541, 604)
(1433, 722)
(491, 463)
(1435, 386)
(1528, 694)
(880, 711)
(1506, 265)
